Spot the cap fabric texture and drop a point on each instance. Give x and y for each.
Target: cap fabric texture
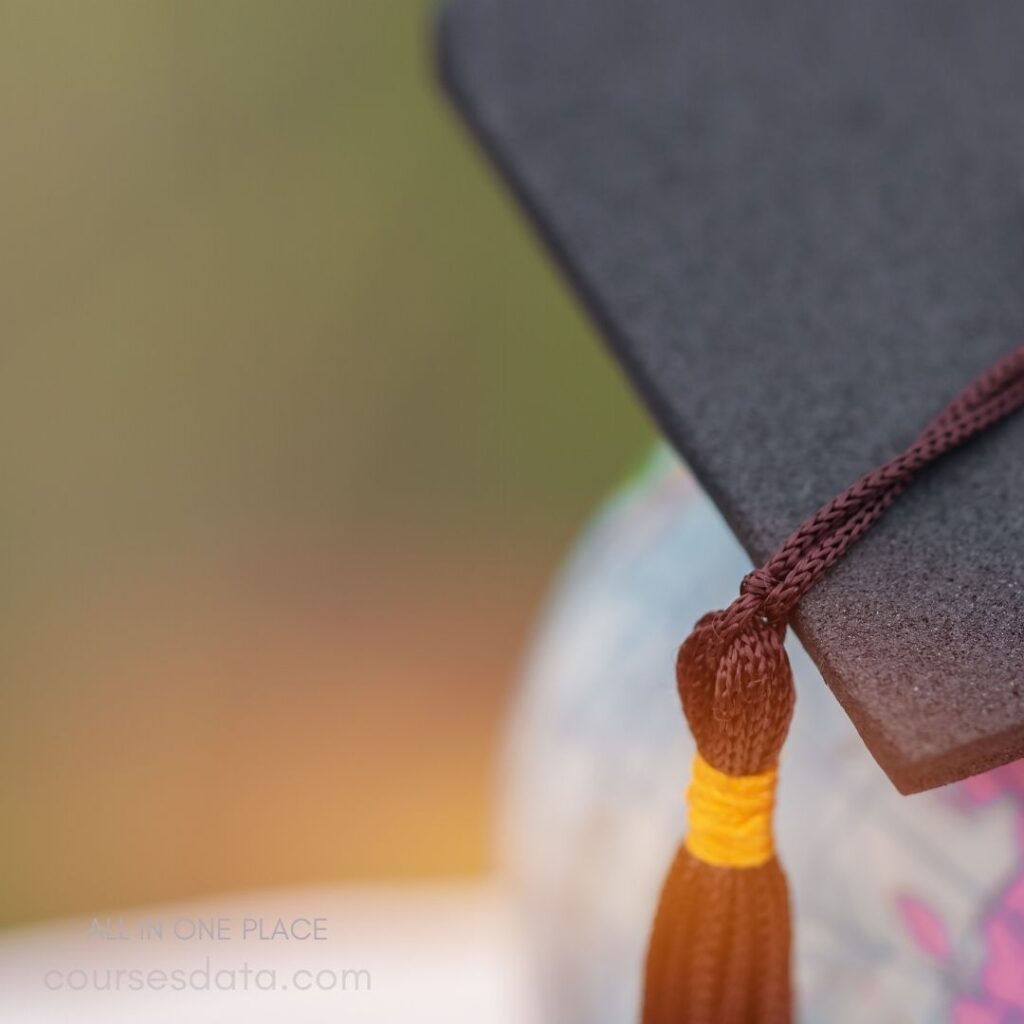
(801, 227)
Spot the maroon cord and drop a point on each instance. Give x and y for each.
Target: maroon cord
(822, 539)
(720, 948)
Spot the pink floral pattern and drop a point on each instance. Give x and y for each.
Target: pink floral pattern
(994, 992)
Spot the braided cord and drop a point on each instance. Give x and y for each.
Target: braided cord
(823, 538)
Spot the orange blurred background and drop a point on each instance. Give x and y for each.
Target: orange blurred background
(296, 423)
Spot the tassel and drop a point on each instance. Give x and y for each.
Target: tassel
(720, 949)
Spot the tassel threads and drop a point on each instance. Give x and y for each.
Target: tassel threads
(730, 817)
(720, 948)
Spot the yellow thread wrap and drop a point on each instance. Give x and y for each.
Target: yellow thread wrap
(730, 816)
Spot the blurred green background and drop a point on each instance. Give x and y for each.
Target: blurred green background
(297, 420)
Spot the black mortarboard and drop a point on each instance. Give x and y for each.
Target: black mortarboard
(800, 225)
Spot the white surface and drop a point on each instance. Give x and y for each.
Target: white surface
(434, 955)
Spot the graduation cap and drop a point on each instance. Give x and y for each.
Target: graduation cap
(800, 226)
